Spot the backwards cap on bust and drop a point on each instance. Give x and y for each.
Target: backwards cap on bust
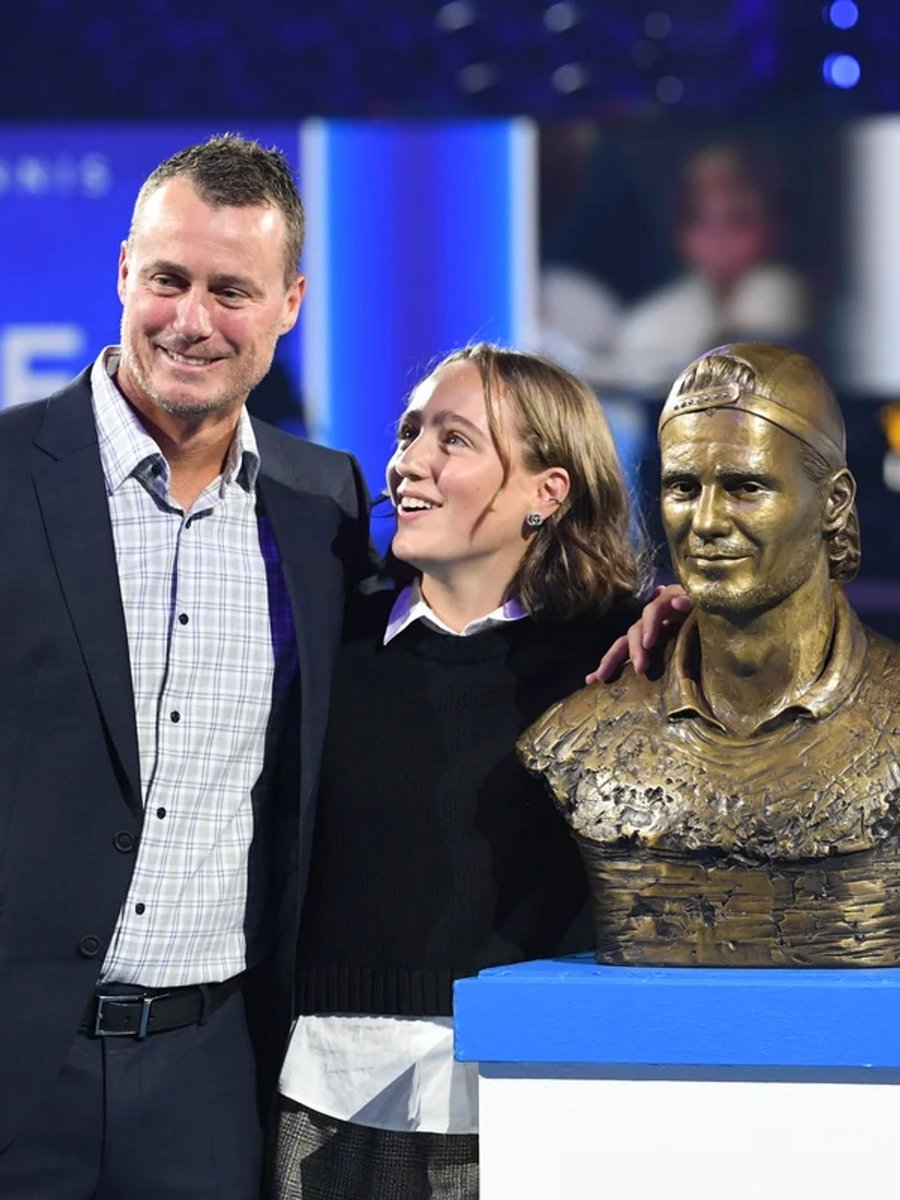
(771, 382)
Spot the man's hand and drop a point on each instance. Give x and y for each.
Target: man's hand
(661, 617)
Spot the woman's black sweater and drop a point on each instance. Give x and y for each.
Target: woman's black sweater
(435, 853)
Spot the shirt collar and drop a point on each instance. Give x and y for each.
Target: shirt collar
(411, 606)
(127, 449)
(682, 696)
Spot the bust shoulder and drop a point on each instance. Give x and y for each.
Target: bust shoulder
(626, 766)
(571, 726)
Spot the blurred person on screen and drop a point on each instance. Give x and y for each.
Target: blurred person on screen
(727, 234)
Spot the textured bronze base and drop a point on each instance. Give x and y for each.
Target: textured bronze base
(652, 909)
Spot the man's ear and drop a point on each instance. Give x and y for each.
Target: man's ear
(839, 501)
(292, 301)
(122, 271)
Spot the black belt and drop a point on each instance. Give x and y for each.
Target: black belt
(143, 1011)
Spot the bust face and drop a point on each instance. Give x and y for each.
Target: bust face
(743, 520)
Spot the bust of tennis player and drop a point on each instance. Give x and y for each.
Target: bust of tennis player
(743, 809)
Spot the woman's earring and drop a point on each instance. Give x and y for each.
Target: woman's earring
(534, 520)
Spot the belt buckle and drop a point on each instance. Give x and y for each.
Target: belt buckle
(145, 1002)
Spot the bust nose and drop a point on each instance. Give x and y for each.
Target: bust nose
(710, 517)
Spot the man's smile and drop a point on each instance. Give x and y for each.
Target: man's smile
(189, 360)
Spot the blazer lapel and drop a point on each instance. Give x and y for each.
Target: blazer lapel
(75, 510)
(302, 545)
(307, 525)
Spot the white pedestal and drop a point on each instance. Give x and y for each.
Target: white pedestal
(607, 1082)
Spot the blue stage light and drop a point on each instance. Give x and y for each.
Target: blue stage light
(841, 70)
(843, 14)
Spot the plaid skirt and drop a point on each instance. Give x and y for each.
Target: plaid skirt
(321, 1158)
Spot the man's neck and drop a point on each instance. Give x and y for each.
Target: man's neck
(752, 670)
(196, 451)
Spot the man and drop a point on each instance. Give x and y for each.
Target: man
(172, 598)
(744, 808)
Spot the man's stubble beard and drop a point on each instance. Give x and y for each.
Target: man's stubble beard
(188, 409)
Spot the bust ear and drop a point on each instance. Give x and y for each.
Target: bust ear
(841, 492)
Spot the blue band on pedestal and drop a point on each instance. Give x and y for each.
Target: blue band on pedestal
(570, 1010)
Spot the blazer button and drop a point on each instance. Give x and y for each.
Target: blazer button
(124, 841)
(89, 946)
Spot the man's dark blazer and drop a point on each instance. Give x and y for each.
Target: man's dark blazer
(69, 773)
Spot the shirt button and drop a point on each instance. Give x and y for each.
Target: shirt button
(89, 946)
(175, 717)
(160, 812)
(183, 618)
(124, 841)
(140, 909)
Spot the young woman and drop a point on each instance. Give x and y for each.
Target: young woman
(435, 854)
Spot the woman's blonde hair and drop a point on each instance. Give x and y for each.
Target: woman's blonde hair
(588, 551)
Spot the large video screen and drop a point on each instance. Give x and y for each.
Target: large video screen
(659, 243)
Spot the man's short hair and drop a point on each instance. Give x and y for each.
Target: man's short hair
(233, 171)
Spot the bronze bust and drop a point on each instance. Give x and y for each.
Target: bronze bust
(744, 808)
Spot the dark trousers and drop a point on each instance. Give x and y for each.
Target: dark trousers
(171, 1117)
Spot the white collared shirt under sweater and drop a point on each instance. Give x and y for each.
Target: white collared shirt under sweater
(389, 1072)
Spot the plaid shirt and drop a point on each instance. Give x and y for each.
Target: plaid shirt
(212, 649)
